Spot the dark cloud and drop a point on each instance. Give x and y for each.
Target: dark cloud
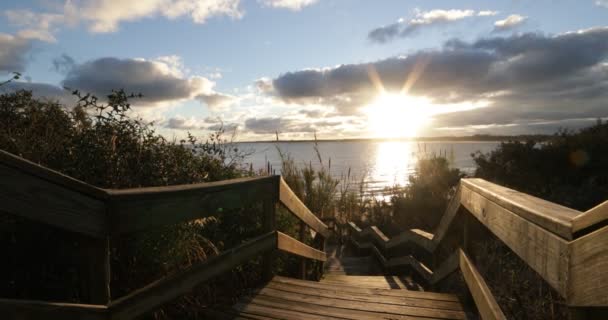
(181, 124)
(522, 77)
(406, 28)
(266, 125)
(152, 79)
(221, 126)
(272, 125)
(216, 100)
(13, 53)
(63, 64)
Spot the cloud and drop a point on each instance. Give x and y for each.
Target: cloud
(160, 80)
(42, 91)
(487, 13)
(294, 5)
(181, 123)
(423, 19)
(509, 23)
(13, 53)
(39, 26)
(63, 64)
(102, 16)
(266, 125)
(602, 3)
(522, 77)
(106, 15)
(216, 101)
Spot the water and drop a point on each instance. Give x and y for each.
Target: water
(381, 163)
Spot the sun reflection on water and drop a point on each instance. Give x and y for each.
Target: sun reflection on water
(393, 163)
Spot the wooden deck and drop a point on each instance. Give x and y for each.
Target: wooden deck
(287, 298)
(352, 288)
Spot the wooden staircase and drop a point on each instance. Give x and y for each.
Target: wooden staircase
(566, 247)
(351, 288)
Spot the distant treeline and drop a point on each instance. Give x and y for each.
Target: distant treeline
(476, 137)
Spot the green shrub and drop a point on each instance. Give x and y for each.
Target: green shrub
(422, 202)
(100, 143)
(569, 169)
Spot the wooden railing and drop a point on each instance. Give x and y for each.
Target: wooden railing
(566, 247)
(45, 196)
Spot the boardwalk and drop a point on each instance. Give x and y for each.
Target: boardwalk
(564, 246)
(352, 288)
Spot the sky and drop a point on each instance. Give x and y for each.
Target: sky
(330, 68)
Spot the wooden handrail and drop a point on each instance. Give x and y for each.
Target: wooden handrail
(156, 294)
(485, 301)
(568, 257)
(110, 211)
(297, 208)
(46, 196)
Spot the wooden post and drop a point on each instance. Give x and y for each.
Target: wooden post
(269, 211)
(322, 243)
(97, 253)
(302, 235)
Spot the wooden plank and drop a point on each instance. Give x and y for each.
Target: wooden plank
(35, 310)
(325, 312)
(338, 294)
(301, 235)
(164, 290)
(363, 306)
(43, 201)
(144, 208)
(448, 218)
(549, 215)
(543, 251)
(591, 217)
(293, 246)
(97, 255)
(262, 307)
(369, 291)
(298, 209)
(484, 300)
(449, 265)
(52, 176)
(588, 279)
(269, 208)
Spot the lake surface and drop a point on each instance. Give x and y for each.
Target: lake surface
(381, 163)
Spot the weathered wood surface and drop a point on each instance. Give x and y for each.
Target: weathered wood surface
(484, 300)
(47, 202)
(297, 208)
(52, 176)
(548, 215)
(37, 310)
(285, 298)
(143, 208)
(542, 250)
(288, 244)
(588, 278)
(597, 215)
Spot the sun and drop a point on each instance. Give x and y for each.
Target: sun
(397, 115)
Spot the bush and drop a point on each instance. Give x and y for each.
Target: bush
(103, 146)
(422, 202)
(568, 169)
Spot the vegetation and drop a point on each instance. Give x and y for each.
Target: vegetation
(422, 202)
(101, 144)
(569, 168)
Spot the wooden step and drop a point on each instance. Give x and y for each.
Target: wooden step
(287, 298)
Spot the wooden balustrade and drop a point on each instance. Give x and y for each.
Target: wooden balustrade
(566, 247)
(46, 196)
